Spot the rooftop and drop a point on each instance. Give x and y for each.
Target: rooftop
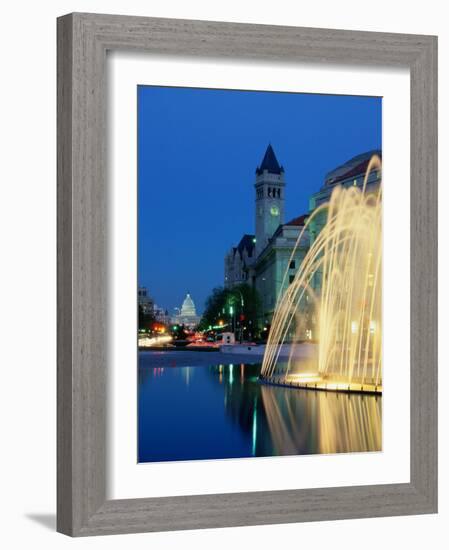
(353, 167)
(246, 242)
(269, 163)
(300, 220)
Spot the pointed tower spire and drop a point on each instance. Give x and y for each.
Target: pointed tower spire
(269, 163)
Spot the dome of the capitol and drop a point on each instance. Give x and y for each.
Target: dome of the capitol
(187, 315)
(188, 307)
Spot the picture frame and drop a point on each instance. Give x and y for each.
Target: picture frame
(83, 41)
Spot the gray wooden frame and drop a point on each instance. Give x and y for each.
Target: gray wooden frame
(83, 40)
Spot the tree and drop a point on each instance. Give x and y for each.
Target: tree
(236, 307)
(215, 304)
(178, 332)
(246, 303)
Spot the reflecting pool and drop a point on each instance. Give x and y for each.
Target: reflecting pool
(223, 411)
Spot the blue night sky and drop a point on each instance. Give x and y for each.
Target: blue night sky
(197, 153)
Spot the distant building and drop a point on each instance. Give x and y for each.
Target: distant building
(148, 306)
(145, 301)
(187, 316)
(161, 315)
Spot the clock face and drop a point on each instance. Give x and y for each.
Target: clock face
(274, 211)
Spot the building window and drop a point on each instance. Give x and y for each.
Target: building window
(269, 191)
(293, 264)
(291, 279)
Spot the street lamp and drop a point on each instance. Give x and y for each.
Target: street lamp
(231, 315)
(242, 303)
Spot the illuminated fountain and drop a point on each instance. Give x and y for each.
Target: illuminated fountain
(339, 286)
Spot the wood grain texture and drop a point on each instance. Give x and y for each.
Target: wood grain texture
(64, 277)
(83, 40)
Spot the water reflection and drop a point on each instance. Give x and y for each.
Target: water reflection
(223, 411)
(327, 423)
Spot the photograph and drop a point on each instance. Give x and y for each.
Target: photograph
(222, 220)
(259, 274)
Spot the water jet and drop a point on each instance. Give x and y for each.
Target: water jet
(336, 296)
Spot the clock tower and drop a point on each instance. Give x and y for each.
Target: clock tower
(270, 199)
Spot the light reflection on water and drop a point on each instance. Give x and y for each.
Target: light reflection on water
(188, 413)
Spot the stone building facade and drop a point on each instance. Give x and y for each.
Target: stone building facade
(187, 315)
(268, 259)
(351, 173)
(238, 260)
(263, 258)
(145, 301)
(278, 263)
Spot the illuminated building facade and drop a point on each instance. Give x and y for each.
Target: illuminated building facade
(351, 173)
(145, 301)
(276, 265)
(187, 315)
(263, 259)
(161, 315)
